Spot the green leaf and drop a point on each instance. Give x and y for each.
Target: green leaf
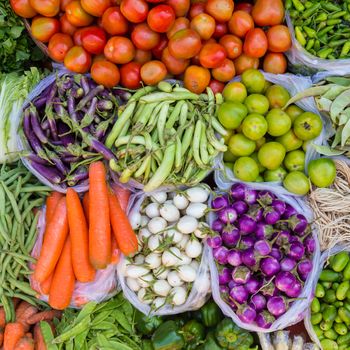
(327, 151)
(339, 104)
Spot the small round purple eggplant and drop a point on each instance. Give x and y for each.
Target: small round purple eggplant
(263, 231)
(224, 290)
(241, 207)
(276, 253)
(228, 215)
(290, 211)
(279, 205)
(310, 245)
(252, 285)
(234, 257)
(239, 294)
(230, 236)
(217, 225)
(265, 197)
(295, 290)
(220, 202)
(238, 190)
(232, 284)
(246, 314)
(256, 212)
(246, 242)
(284, 280)
(262, 247)
(277, 306)
(248, 257)
(214, 241)
(220, 255)
(304, 268)
(241, 274)
(264, 319)
(269, 289)
(269, 266)
(271, 215)
(296, 251)
(258, 301)
(298, 223)
(225, 275)
(250, 196)
(287, 264)
(246, 224)
(282, 238)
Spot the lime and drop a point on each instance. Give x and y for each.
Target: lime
(254, 126)
(255, 157)
(230, 132)
(257, 103)
(275, 175)
(239, 145)
(253, 80)
(246, 169)
(278, 122)
(307, 126)
(277, 95)
(322, 172)
(289, 141)
(295, 160)
(293, 111)
(235, 92)
(229, 157)
(231, 114)
(297, 182)
(271, 155)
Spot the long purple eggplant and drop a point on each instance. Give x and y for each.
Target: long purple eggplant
(64, 134)
(105, 105)
(36, 127)
(79, 175)
(71, 108)
(49, 173)
(92, 93)
(33, 157)
(84, 82)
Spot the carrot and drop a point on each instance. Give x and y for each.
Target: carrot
(124, 234)
(45, 286)
(55, 236)
(16, 302)
(51, 203)
(79, 237)
(25, 343)
(99, 220)
(1, 335)
(2, 317)
(14, 331)
(39, 341)
(47, 315)
(86, 202)
(21, 308)
(122, 194)
(63, 280)
(115, 252)
(25, 315)
(29, 335)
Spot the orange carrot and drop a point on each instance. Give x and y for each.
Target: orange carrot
(47, 315)
(122, 194)
(45, 286)
(1, 335)
(39, 341)
(2, 317)
(51, 203)
(54, 238)
(21, 308)
(25, 315)
(124, 234)
(79, 237)
(14, 331)
(29, 335)
(86, 202)
(25, 343)
(63, 280)
(115, 252)
(100, 226)
(16, 302)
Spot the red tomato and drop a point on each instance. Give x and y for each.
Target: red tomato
(155, 1)
(180, 23)
(240, 23)
(77, 16)
(66, 26)
(268, 12)
(144, 38)
(212, 55)
(158, 50)
(204, 25)
(180, 7)
(185, 44)
(105, 73)
(113, 22)
(95, 7)
(161, 18)
(77, 37)
(119, 50)
(221, 10)
(59, 45)
(130, 76)
(77, 60)
(245, 62)
(255, 43)
(134, 10)
(232, 44)
(43, 28)
(225, 72)
(220, 30)
(98, 58)
(153, 72)
(196, 9)
(64, 4)
(47, 8)
(93, 40)
(23, 8)
(244, 6)
(278, 38)
(196, 79)
(175, 66)
(142, 56)
(275, 63)
(216, 86)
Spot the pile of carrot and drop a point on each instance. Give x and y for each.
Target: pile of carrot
(82, 237)
(25, 332)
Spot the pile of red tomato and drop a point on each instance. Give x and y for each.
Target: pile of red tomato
(128, 41)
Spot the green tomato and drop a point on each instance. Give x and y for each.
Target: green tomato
(278, 122)
(253, 80)
(289, 141)
(277, 95)
(307, 126)
(295, 160)
(257, 103)
(255, 157)
(239, 145)
(322, 172)
(297, 182)
(229, 157)
(293, 111)
(275, 175)
(271, 155)
(235, 92)
(231, 114)
(254, 126)
(246, 169)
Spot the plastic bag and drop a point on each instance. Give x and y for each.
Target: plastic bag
(104, 287)
(293, 84)
(200, 287)
(324, 257)
(298, 309)
(302, 62)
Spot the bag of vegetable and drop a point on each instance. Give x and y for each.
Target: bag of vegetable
(170, 275)
(65, 121)
(274, 98)
(262, 256)
(103, 287)
(328, 316)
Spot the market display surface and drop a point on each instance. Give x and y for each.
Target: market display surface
(174, 175)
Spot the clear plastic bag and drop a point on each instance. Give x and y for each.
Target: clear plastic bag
(324, 257)
(104, 287)
(302, 62)
(299, 307)
(293, 84)
(200, 287)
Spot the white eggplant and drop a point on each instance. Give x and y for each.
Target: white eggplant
(139, 259)
(175, 235)
(157, 224)
(135, 271)
(178, 296)
(174, 279)
(169, 212)
(154, 242)
(193, 248)
(133, 284)
(153, 260)
(183, 242)
(143, 234)
(187, 224)
(197, 210)
(158, 302)
(145, 281)
(180, 201)
(161, 273)
(141, 295)
(198, 194)
(152, 210)
(159, 197)
(187, 273)
(171, 257)
(161, 288)
(135, 220)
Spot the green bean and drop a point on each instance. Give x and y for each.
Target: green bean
(178, 154)
(203, 146)
(196, 143)
(142, 92)
(2, 201)
(9, 312)
(154, 166)
(36, 203)
(8, 174)
(214, 141)
(6, 262)
(187, 173)
(153, 119)
(125, 128)
(187, 139)
(165, 86)
(144, 118)
(164, 96)
(22, 286)
(124, 140)
(175, 114)
(12, 200)
(30, 239)
(180, 89)
(183, 114)
(32, 189)
(143, 166)
(163, 114)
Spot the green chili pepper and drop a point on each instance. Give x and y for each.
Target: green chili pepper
(298, 5)
(332, 22)
(317, 45)
(310, 11)
(293, 13)
(325, 31)
(288, 4)
(341, 328)
(329, 276)
(308, 4)
(329, 6)
(300, 36)
(344, 51)
(340, 261)
(321, 17)
(319, 292)
(337, 14)
(311, 33)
